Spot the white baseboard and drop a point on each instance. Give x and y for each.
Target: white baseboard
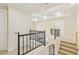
(3, 50)
(11, 49)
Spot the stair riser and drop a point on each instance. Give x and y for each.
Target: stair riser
(67, 50)
(68, 43)
(66, 46)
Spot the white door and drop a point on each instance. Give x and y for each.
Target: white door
(3, 29)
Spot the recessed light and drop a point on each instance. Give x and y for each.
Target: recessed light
(34, 19)
(45, 17)
(41, 9)
(72, 4)
(58, 14)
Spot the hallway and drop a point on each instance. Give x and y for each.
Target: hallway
(31, 28)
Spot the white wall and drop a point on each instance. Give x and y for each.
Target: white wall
(45, 25)
(19, 21)
(68, 26)
(3, 29)
(59, 24)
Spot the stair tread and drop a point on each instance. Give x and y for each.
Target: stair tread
(62, 52)
(66, 50)
(68, 43)
(67, 46)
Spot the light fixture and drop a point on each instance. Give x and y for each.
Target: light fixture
(34, 19)
(58, 14)
(41, 9)
(44, 17)
(72, 4)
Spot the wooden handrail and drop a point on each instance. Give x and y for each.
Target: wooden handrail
(76, 39)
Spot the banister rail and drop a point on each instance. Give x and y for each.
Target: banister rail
(30, 41)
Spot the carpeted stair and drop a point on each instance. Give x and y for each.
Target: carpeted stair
(67, 48)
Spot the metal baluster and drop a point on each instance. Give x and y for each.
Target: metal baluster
(23, 44)
(38, 39)
(42, 38)
(35, 40)
(30, 41)
(26, 43)
(53, 49)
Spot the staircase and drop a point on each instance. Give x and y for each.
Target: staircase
(67, 48)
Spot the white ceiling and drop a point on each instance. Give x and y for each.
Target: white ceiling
(35, 7)
(58, 11)
(50, 9)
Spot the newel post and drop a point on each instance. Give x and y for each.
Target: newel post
(18, 43)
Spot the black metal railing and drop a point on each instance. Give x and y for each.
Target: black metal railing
(31, 41)
(52, 49)
(55, 32)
